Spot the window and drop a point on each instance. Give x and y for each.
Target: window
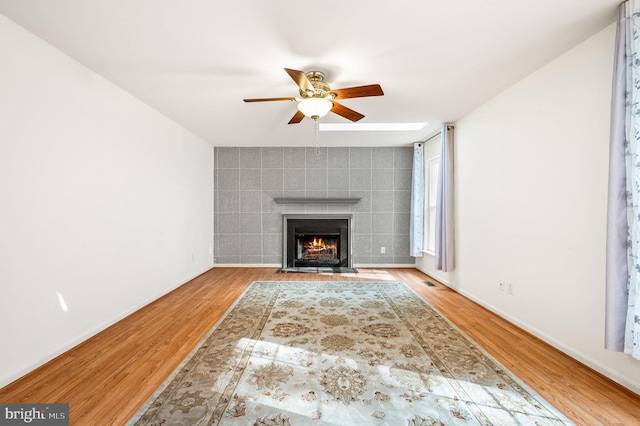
(431, 189)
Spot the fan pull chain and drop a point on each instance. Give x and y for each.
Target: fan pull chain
(317, 138)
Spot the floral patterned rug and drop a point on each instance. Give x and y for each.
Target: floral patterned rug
(340, 353)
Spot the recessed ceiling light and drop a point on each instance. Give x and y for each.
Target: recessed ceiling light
(370, 127)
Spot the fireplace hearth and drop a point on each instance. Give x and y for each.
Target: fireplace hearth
(316, 242)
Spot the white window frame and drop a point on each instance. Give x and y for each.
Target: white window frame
(431, 190)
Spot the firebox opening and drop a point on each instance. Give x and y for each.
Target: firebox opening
(317, 250)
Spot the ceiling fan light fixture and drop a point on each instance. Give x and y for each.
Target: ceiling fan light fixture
(315, 108)
(317, 98)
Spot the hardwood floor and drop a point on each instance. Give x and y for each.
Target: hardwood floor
(106, 378)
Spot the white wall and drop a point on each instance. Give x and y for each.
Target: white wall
(531, 183)
(104, 203)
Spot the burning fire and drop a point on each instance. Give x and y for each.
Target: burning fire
(319, 244)
(319, 248)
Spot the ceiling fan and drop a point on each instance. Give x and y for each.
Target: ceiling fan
(317, 98)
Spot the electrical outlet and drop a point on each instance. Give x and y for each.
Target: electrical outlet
(383, 250)
(510, 288)
(501, 285)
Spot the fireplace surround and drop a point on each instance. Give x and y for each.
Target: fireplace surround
(317, 242)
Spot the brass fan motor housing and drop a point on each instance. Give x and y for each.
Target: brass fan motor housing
(322, 89)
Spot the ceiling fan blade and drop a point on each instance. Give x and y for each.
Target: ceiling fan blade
(347, 113)
(301, 80)
(358, 92)
(269, 99)
(296, 118)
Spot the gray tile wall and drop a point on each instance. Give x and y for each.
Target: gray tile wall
(248, 223)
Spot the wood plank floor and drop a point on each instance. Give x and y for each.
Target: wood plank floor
(106, 378)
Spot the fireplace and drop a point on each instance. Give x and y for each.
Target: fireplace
(316, 241)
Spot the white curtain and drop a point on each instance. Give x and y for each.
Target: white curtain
(623, 233)
(444, 204)
(416, 232)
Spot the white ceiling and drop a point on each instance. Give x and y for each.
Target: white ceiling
(195, 60)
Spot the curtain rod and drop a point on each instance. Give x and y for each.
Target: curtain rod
(438, 133)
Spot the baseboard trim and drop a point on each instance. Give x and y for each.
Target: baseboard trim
(434, 274)
(386, 265)
(12, 377)
(277, 265)
(247, 265)
(587, 361)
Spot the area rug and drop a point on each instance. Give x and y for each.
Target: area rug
(340, 353)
